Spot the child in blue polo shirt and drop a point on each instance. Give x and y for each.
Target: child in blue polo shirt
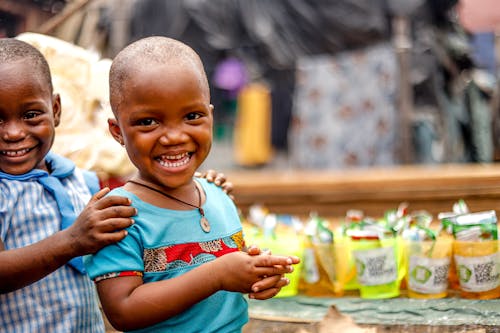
(51, 212)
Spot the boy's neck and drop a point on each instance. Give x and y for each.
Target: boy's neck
(189, 193)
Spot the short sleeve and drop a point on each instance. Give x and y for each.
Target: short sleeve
(124, 256)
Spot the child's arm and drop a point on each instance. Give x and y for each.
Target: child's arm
(101, 223)
(154, 302)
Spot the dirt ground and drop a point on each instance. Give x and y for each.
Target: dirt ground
(263, 326)
(336, 322)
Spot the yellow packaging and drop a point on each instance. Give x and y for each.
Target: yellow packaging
(477, 268)
(379, 267)
(427, 267)
(350, 279)
(324, 271)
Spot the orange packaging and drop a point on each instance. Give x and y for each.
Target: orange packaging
(427, 268)
(476, 265)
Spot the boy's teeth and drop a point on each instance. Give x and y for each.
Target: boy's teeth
(176, 157)
(173, 161)
(15, 153)
(174, 164)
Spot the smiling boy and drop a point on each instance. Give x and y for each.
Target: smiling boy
(48, 216)
(181, 267)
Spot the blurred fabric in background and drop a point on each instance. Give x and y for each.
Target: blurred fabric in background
(437, 103)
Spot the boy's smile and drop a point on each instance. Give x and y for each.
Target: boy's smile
(165, 122)
(28, 117)
(175, 160)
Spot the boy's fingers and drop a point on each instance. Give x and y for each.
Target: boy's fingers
(117, 212)
(227, 186)
(221, 178)
(265, 294)
(295, 259)
(115, 224)
(114, 237)
(274, 270)
(272, 260)
(253, 250)
(266, 282)
(274, 281)
(211, 175)
(264, 272)
(100, 194)
(112, 200)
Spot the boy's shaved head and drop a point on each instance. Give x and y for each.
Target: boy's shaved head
(150, 51)
(12, 49)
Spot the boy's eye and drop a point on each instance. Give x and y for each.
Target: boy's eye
(193, 116)
(147, 122)
(31, 114)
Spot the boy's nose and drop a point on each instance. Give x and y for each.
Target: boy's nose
(171, 137)
(12, 132)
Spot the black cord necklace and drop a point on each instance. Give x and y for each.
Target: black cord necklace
(204, 224)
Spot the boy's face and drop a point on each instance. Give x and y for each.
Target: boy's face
(165, 122)
(28, 117)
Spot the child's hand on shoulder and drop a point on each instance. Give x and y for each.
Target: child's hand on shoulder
(102, 222)
(219, 179)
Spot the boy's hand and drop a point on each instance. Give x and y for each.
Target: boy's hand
(219, 179)
(239, 271)
(269, 286)
(102, 222)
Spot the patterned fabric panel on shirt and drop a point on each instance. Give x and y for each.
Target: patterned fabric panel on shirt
(65, 300)
(176, 256)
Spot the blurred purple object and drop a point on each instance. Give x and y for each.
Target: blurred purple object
(230, 74)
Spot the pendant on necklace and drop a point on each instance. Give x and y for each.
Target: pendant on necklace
(205, 225)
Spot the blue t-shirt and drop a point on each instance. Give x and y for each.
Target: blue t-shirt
(165, 243)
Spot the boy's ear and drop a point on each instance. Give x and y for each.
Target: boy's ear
(115, 131)
(56, 108)
(211, 106)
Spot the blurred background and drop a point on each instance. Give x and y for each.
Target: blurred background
(303, 84)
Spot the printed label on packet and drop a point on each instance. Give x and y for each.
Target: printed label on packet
(375, 266)
(428, 275)
(477, 274)
(311, 267)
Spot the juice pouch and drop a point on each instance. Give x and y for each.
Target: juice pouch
(331, 259)
(477, 268)
(447, 220)
(323, 272)
(355, 220)
(314, 278)
(476, 254)
(350, 278)
(427, 267)
(379, 268)
(324, 269)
